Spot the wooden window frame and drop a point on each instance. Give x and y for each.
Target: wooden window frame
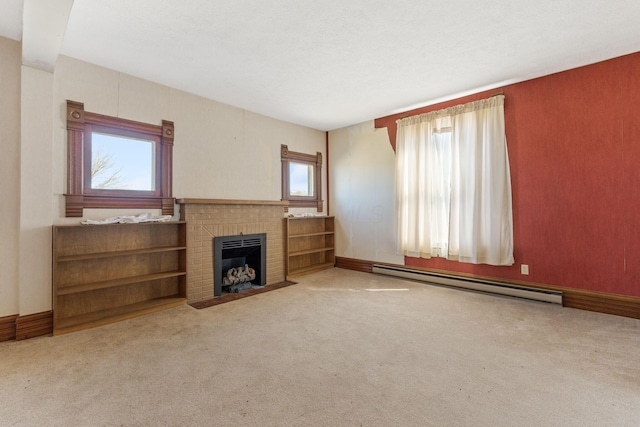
(80, 195)
(316, 201)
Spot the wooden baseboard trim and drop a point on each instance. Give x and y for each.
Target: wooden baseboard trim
(354, 264)
(8, 328)
(601, 302)
(34, 325)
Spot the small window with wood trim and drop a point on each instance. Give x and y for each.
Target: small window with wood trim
(117, 163)
(301, 179)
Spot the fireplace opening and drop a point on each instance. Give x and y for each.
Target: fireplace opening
(239, 262)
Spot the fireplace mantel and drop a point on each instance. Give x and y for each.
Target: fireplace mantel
(232, 202)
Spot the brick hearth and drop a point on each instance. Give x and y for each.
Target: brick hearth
(208, 218)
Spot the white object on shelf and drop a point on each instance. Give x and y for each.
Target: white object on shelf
(128, 219)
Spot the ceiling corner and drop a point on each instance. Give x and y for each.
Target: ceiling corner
(44, 25)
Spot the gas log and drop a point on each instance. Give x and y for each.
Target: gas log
(239, 275)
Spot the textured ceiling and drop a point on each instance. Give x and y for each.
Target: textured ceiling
(328, 64)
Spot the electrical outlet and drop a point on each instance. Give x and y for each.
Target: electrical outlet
(524, 269)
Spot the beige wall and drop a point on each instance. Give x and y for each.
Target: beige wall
(9, 174)
(362, 176)
(36, 152)
(220, 152)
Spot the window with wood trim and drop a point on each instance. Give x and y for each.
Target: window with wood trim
(116, 163)
(301, 179)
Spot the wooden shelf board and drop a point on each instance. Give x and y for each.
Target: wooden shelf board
(320, 233)
(312, 217)
(104, 317)
(310, 269)
(117, 225)
(110, 254)
(311, 251)
(66, 290)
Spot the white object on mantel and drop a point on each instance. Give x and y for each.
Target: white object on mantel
(128, 219)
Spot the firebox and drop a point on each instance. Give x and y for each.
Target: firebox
(240, 257)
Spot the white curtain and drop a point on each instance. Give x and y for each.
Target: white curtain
(453, 185)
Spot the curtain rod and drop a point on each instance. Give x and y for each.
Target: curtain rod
(491, 96)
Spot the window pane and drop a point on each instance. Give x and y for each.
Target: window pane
(120, 163)
(301, 179)
(439, 171)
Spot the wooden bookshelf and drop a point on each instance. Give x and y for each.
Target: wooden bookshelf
(310, 245)
(106, 273)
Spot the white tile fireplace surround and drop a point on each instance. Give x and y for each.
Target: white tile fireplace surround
(209, 218)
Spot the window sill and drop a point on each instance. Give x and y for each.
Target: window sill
(75, 203)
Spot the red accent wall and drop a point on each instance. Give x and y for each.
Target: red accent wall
(574, 150)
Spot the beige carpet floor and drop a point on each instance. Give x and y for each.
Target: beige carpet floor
(340, 348)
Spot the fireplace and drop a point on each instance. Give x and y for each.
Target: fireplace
(207, 218)
(237, 260)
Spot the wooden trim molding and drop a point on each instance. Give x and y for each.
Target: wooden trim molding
(354, 264)
(8, 328)
(80, 195)
(326, 136)
(314, 201)
(619, 305)
(34, 325)
(166, 177)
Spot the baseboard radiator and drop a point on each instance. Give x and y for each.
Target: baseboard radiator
(470, 283)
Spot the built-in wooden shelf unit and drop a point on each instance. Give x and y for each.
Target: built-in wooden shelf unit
(111, 272)
(310, 244)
